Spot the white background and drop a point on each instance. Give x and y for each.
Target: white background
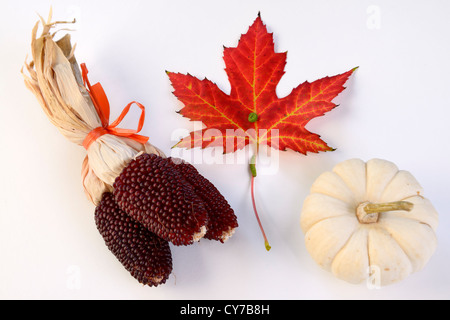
(396, 106)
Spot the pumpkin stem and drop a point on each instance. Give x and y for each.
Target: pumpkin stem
(368, 212)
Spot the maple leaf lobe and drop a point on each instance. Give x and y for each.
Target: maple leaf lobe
(254, 70)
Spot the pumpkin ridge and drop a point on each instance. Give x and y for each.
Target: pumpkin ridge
(400, 175)
(339, 238)
(342, 248)
(384, 227)
(349, 210)
(330, 194)
(348, 241)
(381, 229)
(392, 178)
(369, 181)
(324, 219)
(345, 173)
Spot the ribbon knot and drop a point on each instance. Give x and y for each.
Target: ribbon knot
(101, 104)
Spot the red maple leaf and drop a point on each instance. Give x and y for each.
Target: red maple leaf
(254, 70)
(252, 112)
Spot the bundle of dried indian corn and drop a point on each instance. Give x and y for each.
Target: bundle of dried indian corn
(144, 200)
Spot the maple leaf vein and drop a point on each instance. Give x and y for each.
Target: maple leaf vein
(268, 80)
(297, 108)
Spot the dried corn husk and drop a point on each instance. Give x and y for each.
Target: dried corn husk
(55, 79)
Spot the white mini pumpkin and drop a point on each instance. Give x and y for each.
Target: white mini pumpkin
(365, 219)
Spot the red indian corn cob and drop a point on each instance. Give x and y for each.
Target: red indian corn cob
(146, 256)
(222, 220)
(156, 195)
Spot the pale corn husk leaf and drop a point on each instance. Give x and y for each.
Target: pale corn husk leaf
(93, 186)
(55, 79)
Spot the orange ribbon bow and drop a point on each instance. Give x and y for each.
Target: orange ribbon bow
(101, 104)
